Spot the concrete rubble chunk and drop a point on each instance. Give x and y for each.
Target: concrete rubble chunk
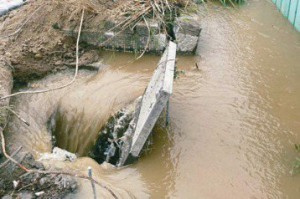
(187, 30)
(186, 43)
(59, 154)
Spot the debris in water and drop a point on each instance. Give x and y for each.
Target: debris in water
(59, 154)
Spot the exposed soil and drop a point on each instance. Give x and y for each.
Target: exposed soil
(33, 44)
(40, 46)
(37, 48)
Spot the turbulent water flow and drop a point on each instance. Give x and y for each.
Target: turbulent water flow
(233, 121)
(75, 115)
(112, 141)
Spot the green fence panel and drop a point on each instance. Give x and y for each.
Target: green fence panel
(278, 4)
(297, 18)
(293, 11)
(285, 7)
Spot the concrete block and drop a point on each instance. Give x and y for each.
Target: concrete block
(143, 30)
(187, 31)
(135, 40)
(187, 25)
(186, 43)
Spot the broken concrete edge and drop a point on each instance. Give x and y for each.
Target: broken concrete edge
(109, 36)
(170, 69)
(138, 145)
(186, 30)
(160, 84)
(153, 102)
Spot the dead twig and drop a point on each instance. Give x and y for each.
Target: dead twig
(18, 116)
(93, 183)
(63, 86)
(8, 160)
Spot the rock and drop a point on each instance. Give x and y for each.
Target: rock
(187, 30)
(25, 195)
(58, 63)
(186, 43)
(7, 197)
(59, 154)
(38, 56)
(158, 42)
(187, 25)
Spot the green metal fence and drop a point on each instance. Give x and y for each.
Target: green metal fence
(291, 10)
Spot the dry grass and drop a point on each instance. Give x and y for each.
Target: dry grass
(133, 12)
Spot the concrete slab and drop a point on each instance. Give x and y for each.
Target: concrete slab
(153, 102)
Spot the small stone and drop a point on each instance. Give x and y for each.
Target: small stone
(58, 63)
(15, 183)
(39, 193)
(38, 56)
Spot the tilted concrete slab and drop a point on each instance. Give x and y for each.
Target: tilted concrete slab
(153, 102)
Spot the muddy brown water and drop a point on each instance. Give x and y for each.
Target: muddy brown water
(234, 121)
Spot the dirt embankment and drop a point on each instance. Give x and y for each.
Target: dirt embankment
(40, 46)
(32, 45)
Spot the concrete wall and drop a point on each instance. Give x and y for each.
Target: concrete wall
(109, 36)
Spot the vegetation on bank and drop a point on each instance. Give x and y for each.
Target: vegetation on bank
(296, 164)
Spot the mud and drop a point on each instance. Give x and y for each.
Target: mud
(34, 40)
(6, 84)
(40, 46)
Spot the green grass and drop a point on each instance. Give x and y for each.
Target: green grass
(296, 164)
